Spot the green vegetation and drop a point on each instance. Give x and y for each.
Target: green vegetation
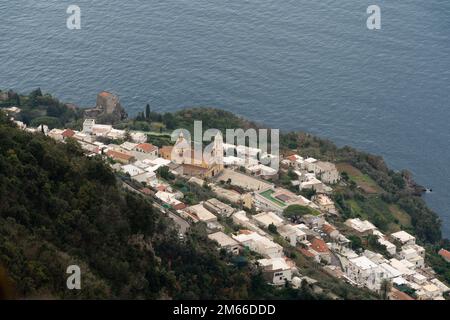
(440, 266)
(272, 228)
(164, 172)
(296, 211)
(370, 190)
(363, 181)
(373, 177)
(59, 208)
(38, 108)
(330, 285)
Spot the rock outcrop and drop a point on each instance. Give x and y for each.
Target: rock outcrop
(107, 109)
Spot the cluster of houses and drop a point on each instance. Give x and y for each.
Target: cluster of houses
(312, 173)
(403, 266)
(248, 195)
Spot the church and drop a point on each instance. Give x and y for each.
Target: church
(196, 162)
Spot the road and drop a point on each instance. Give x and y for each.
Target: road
(182, 224)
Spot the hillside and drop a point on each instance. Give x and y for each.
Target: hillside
(389, 197)
(59, 208)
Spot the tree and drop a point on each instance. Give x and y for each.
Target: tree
(147, 113)
(165, 173)
(127, 135)
(33, 97)
(308, 193)
(356, 242)
(272, 228)
(385, 289)
(169, 121)
(295, 211)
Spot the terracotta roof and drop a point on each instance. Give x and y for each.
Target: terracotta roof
(328, 228)
(292, 158)
(147, 147)
(105, 94)
(68, 133)
(319, 246)
(444, 254)
(166, 150)
(119, 155)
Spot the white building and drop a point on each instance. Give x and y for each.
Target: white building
(308, 164)
(265, 219)
(233, 161)
(325, 203)
(326, 172)
(116, 134)
(292, 233)
(360, 225)
(132, 170)
(170, 199)
(225, 242)
(128, 146)
(138, 137)
(240, 218)
(390, 247)
(201, 213)
(218, 207)
(313, 184)
(364, 272)
(157, 163)
(412, 256)
(276, 270)
(259, 244)
(146, 177)
(88, 124)
(404, 266)
(403, 237)
(262, 171)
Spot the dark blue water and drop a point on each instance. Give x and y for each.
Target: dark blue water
(292, 64)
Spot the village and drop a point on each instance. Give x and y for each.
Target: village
(251, 214)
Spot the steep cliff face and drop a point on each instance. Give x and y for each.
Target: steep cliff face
(107, 109)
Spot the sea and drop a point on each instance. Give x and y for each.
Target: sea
(289, 64)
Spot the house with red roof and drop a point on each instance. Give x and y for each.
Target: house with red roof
(121, 157)
(319, 246)
(445, 254)
(68, 133)
(147, 148)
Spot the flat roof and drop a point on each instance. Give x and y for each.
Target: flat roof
(268, 218)
(363, 263)
(275, 263)
(222, 239)
(201, 212)
(403, 236)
